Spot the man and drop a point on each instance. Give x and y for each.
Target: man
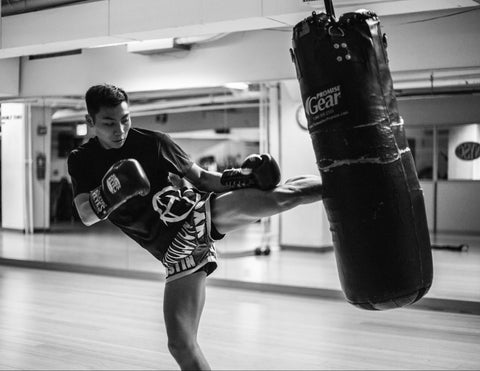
(123, 174)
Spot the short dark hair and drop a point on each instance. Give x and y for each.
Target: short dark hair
(104, 95)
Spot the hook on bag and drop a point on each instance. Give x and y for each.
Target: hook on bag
(335, 31)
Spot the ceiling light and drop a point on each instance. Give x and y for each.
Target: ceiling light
(81, 130)
(237, 85)
(156, 46)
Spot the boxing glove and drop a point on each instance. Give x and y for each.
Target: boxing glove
(257, 171)
(124, 180)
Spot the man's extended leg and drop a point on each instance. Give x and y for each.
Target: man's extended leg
(184, 299)
(235, 209)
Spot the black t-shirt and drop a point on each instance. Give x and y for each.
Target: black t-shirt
(159, 156)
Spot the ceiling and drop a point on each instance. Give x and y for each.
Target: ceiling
(12, 7)
(121, 21)
(33, 27)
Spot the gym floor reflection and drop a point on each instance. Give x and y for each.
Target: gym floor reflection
(103, 248)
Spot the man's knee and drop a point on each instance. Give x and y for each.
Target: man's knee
(182, 349)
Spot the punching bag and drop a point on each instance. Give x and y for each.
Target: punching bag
(372, 195)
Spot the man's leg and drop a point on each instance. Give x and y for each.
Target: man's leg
(182, 307)
(235, 209)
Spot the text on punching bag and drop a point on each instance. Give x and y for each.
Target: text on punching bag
(324, 106)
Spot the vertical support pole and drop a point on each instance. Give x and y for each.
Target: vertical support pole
(29, 222)
(435, 176)
(270, 142)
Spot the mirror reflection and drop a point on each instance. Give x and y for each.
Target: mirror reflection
(218, 127)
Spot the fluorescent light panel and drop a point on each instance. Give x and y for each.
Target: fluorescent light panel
(155, 46)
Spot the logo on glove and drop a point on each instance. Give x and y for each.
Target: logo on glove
(98, 201)
(113, 184)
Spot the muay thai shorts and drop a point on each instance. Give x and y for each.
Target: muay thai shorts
(193, 247)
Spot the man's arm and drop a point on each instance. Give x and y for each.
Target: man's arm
(258, 171)
(124, 180)
(205, 180)
(84, 209)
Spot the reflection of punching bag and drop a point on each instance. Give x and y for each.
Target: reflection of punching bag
(372, 195)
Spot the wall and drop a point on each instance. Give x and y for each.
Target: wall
(458, 207)
(248, 56)
(461, 168)
(9, 77)
(14, 182)
(297, 157)
(23, 186)
(418, 43)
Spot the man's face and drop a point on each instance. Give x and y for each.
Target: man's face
(111, 125)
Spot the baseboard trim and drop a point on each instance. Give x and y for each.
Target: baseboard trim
(78, 268)
(427, 303)
(320, 249)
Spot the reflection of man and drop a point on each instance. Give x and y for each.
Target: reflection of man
(111, 173)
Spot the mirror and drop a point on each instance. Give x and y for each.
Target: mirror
(218, 127)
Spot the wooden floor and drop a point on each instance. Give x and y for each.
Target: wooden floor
(72, 321)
